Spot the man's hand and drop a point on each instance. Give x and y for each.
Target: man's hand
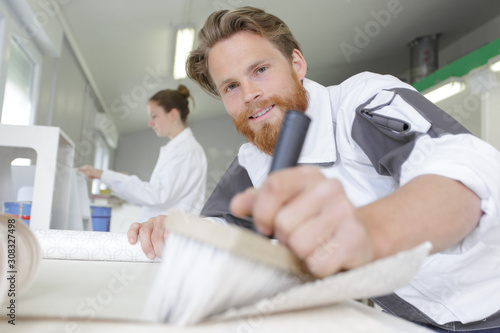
(312, 216)
(90, 172)
(151, 235)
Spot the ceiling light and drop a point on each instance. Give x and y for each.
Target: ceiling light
(444, 90)
(495, 63)
(183, 45)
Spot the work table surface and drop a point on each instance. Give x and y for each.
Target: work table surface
(100, 296)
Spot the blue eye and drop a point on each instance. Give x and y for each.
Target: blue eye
(231, 87)
(261, 70)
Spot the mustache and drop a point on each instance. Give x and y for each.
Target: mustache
(250, 110)
(265, 135)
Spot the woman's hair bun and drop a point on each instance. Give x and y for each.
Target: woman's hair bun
(183, 90)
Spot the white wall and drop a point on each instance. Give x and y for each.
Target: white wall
(491, 113)
(67, 101)
(465, 108)
(477, 107)
(137, 153)
(65, 98)
(221, 142)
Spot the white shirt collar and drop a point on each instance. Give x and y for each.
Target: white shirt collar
(186, 133)
(319, 146)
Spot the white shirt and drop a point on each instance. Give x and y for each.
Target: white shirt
(178, 180)
(461, 283)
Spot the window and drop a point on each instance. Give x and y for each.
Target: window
(19, 97)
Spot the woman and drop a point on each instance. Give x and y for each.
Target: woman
(179, 177)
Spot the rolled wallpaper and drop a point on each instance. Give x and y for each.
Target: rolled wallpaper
(88, 245)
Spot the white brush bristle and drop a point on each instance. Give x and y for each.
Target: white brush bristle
(196, 281)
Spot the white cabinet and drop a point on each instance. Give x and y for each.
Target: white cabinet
(54, 154)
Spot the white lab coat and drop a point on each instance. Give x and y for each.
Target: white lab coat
(461, 283)
(178, 180)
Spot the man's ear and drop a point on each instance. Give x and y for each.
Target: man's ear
(299, 64)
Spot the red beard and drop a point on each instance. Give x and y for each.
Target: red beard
(265, 138)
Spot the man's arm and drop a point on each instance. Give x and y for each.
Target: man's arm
(429, 207)
(313, 216)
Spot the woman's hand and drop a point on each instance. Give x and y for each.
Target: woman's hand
(90, 172)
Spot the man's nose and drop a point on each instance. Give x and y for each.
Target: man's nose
(251, 91)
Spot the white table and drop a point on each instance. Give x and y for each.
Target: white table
(93, 296)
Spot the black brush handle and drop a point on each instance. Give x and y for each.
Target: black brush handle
(290, 140)
(288, 146)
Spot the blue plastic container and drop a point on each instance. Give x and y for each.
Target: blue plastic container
(11, 208)
(101, 217)
(21, 210)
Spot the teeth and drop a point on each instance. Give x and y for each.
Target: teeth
(261, 112)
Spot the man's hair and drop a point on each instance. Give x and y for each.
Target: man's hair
(223, 24)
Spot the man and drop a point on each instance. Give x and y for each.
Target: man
(382, 170)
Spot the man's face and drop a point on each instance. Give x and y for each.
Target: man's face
(257, 84)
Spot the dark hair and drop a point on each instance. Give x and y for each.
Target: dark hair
(169, 99)
(225, 23)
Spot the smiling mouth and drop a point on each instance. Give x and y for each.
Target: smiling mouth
(261, 113)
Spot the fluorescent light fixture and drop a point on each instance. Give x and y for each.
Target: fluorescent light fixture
(183, 45)
(444, 90)
(495, 63)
